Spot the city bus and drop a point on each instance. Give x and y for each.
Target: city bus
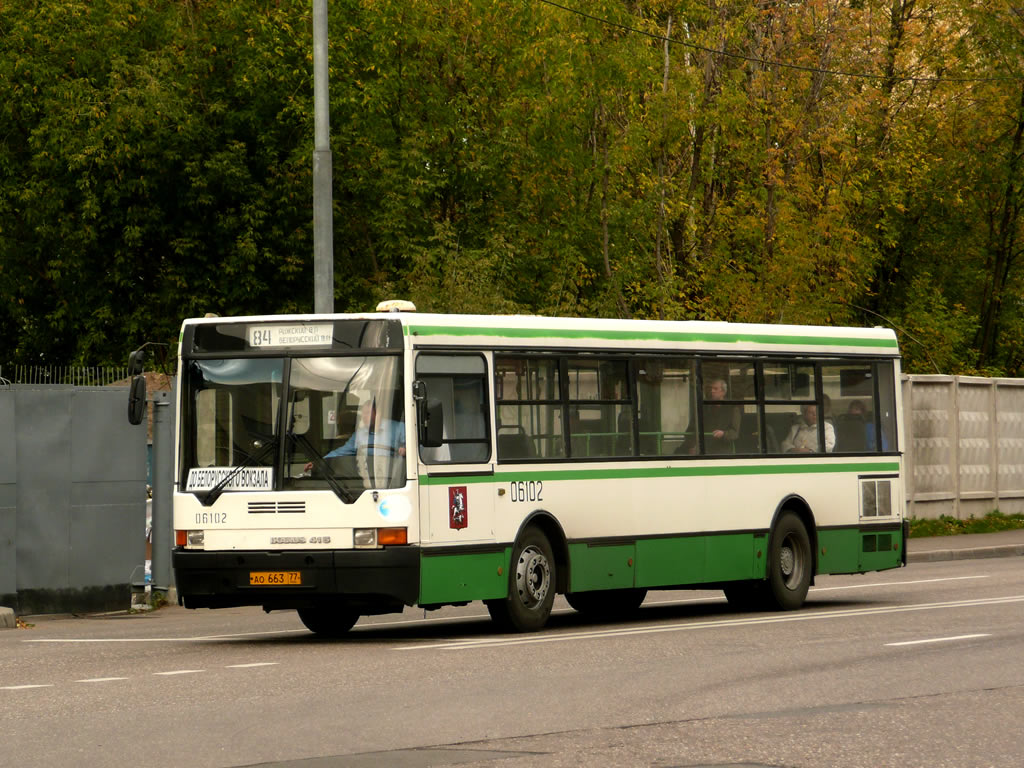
(348, 465)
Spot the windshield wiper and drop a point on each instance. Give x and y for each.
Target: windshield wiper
(325, 469)
(214, 493)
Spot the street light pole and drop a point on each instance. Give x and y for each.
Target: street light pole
(323, 223)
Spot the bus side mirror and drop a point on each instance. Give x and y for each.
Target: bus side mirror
(135, 362)
(429, 416)
(431, 423)
(137, 400)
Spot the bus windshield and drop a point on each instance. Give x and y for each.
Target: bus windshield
(294, 423)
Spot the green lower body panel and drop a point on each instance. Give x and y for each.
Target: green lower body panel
(666, 561)
(735, 556)
(457, 578)
(670, 561)
(879, 551)
(857, 550)
(601, 566)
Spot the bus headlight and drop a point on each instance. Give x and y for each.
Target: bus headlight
(364, 538)
(190, 539)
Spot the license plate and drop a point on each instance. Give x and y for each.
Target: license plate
(275, 578)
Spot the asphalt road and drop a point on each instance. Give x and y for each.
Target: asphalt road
(915, 667)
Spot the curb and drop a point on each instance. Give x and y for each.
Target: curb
(976, 553)
(7, 618)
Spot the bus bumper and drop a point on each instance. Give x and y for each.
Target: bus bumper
(370, 581)
(906, 535)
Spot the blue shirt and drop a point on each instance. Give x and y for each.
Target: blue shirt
(388, 436)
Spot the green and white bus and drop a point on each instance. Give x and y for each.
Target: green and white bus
(349, 465)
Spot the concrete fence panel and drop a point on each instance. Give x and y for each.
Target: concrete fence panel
(1010, 438)
(963, 445)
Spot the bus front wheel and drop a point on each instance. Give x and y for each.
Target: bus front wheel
(789, 564)
(531, 589)
(328, 620)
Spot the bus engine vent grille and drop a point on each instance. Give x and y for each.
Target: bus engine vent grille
(265, 507)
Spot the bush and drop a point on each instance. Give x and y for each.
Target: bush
(950, 526)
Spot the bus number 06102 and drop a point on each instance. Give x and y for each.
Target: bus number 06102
(523, 490)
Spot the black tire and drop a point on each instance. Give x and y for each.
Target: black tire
(328, 620)
(745, 595)
(607, 603)
(531, 588)
(789, 564)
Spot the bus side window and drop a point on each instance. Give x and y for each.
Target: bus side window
(600, 407)
(666, 399)
(863, 402)
(885, 414)
(459, 382)
(528, 401)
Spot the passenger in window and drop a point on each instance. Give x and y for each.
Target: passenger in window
(803, 436)
(721, 422)
(373, 436)
(380, 436)
(858, 411)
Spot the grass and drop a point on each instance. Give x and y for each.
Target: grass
(950, 526)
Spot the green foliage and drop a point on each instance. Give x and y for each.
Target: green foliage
(501, 156)
(950, 526)
(937, 334)
(151, 176)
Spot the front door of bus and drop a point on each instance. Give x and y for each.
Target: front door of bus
(457, 492)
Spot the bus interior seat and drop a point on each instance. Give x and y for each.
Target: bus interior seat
(749, 437)
(779, 424)
(851, 434)
(514, 445)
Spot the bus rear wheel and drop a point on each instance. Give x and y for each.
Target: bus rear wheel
(607, 603)
(789, 564)
(531, 589)
(328, 620)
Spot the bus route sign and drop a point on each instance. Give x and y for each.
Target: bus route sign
(291, 335)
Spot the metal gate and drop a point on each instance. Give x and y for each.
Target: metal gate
(72, 499)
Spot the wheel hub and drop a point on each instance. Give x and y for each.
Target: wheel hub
(786, 561)
(533, 577)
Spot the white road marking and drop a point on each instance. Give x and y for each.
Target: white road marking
(165, 674)
(687, 601)
(898, 583)
(161, 639)
(459, 645)
(105, 640)
(939, 640)
(23, 687)
(813, 590)
(454, 619)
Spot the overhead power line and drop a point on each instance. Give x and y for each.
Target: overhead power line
(773, 62)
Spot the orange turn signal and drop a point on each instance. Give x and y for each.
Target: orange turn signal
(391, 536)
(181, 538)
